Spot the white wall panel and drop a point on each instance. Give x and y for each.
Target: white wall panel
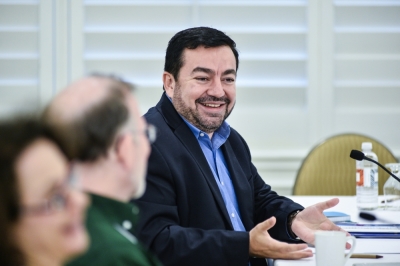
(378, 124)
(148, 95)
(273, 128)
(373, 97)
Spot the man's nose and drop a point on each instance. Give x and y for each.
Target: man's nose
(216, 89)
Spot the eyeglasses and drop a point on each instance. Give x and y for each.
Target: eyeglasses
(56, 202)
(150, 132)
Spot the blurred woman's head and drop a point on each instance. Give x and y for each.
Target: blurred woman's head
(41, 216)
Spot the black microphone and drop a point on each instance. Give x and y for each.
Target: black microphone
(359, 156)
(367, 216)
(371, 217)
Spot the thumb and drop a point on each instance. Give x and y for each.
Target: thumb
(267, 224)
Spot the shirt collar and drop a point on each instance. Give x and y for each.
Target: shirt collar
(222, 132)
(117, 211)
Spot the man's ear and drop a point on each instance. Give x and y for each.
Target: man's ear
(169, 84)
(124, 150)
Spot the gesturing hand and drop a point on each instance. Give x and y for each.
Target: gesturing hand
(312, 219)
(264, 246)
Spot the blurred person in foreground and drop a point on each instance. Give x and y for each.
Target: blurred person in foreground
(205, 203)
(41, 215)
(110, 144)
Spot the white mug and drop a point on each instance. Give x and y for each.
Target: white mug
(330, 247)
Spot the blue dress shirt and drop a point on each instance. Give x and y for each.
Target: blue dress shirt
(216, 160)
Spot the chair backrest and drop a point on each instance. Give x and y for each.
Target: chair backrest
(329, 170)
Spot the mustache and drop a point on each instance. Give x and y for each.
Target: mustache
(213, 99)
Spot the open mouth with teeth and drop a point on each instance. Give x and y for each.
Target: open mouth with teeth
(212, 105)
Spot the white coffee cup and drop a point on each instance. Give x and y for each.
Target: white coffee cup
(330, 247)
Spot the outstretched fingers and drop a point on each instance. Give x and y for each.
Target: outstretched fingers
(321, 206)
(262, 245)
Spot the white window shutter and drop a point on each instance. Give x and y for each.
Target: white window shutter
(19, 56)
(308, 69)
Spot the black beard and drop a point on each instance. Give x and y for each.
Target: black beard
(193, 116)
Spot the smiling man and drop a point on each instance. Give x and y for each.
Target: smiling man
(211, 94)
(205, 203)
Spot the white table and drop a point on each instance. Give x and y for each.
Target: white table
(388, 248)
(347, 204)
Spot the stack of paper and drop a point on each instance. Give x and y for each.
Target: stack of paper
(371, 230)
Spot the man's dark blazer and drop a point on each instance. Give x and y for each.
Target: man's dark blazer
(183, 217)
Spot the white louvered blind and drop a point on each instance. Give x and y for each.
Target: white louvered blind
(27, 54)
(19, 55)
(308, 69)
(366, 78)
(130, 38)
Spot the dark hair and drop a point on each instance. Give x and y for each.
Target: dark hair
(89, 136)
(191, 39)
(15, 136)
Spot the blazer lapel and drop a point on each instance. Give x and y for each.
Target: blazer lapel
(185, 135)
(241, 184)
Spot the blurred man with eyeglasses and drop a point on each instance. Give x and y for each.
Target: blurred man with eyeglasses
(96, 121)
